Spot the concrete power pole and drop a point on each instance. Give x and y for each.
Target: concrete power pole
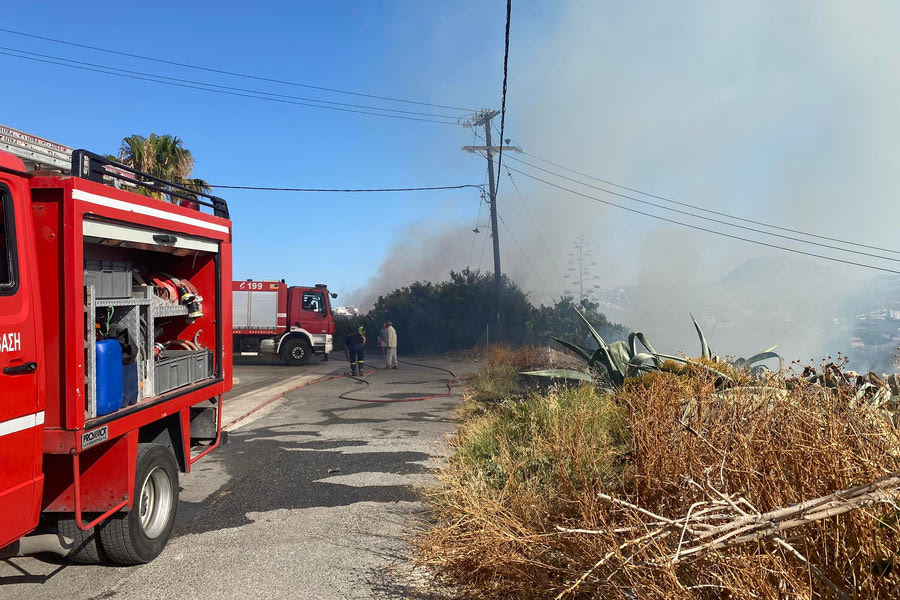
(483, 118)
(495, 230)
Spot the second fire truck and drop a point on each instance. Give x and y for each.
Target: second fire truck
(277, 320)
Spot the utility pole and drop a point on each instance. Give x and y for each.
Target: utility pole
(483, 118)
(495, 230)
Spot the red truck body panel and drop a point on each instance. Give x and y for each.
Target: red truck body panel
(266, 307)
(22, 400)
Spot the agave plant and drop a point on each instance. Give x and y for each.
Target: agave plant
(622, 359)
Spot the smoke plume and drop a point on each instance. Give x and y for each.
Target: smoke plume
(766, 110)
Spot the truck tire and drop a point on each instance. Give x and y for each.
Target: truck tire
(296, 351)
(86, 549)
(139, 535)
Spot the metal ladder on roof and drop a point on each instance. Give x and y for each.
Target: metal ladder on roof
(37, 153)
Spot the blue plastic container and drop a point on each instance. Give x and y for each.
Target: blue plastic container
(129, 384)
(109, 376)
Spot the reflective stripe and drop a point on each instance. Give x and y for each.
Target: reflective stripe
(145, 210)
(21, 423)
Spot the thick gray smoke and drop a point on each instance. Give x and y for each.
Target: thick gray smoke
(767, 110)
(423, 252)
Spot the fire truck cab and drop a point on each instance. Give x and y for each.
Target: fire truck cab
(111, 385)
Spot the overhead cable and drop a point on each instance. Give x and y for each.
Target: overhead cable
(347, 190)
(527, 260)
(711, 219)
(226, 87)
(697, 227)
(475, 232)
(483, 248)
(503, 99)
(533, 223)
(707, 210)
(231, 73)
(229, 93)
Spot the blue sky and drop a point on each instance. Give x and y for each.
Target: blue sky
(417, 50)
(768, 110)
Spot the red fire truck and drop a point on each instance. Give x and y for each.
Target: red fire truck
(274, 319)
(112, 350)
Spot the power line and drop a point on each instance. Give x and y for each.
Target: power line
(711, 219)
(707, 210)
(503, 99)
(533, 223)
(478, 216)
(232, 73)
(347, 190)
(483, 247)
(226, 87)
(525, 256)
(207, 89)
(475, 231)
(697, 227)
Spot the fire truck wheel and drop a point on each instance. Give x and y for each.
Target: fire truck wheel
(296, 352)
(139, 535)
(86, 549)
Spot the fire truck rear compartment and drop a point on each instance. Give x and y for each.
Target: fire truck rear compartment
(163, 335)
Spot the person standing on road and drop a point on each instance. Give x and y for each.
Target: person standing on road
(382, 336)
(355, 343)
(389, 337)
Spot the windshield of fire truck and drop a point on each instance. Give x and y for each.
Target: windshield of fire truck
(314, 301)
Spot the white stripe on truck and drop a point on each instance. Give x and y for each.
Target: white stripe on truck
(144, 210)
(21, 423)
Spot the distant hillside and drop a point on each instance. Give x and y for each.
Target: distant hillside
(809, 308)
(870, 319)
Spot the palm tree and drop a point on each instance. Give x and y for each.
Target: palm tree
(163, 156)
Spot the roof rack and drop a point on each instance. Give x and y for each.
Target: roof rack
(88, 165)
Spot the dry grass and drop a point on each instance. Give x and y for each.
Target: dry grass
(578, 495)
(498, 379)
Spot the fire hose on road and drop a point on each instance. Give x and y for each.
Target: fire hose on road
(346, 395)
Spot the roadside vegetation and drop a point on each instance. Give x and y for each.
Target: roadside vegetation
(459, 313)
(684, 478)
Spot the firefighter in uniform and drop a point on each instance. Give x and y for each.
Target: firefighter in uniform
(355, 343)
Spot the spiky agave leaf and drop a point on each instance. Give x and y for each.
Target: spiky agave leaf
(602, 358)
(747, 363)
(560, 374)
(640, 337)
(579, 350)
(704, 347)
(594, 334)
(620, 354)
(636, 363)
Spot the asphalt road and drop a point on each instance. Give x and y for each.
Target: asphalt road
(312, 497)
